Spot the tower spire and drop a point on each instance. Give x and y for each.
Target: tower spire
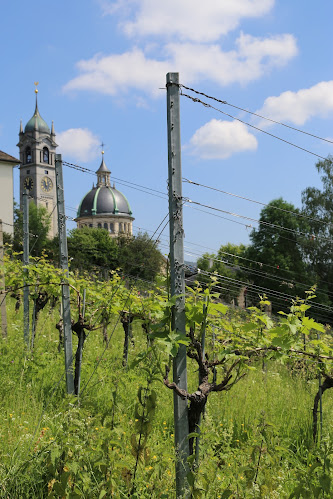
(36, 92)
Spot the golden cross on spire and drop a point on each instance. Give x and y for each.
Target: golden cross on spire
(36, 84)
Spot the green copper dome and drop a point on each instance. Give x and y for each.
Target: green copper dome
(37, 123)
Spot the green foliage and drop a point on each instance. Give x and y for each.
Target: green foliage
(255, 438)
(139, 256)
(318, 204)
(280, 249)
(39, 226)
(92, 250)
(226, 264)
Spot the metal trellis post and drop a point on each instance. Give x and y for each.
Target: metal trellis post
(3, 286)
(64, 265)
(177, 279)
(26, 262)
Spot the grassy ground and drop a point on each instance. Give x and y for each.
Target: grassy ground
(255, 441)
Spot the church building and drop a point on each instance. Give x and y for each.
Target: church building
(105, 207)
(37, 170)
(102, 207)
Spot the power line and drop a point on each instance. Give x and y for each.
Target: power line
(255, 114)
(205, 104)
(255, 296)
(288, 282)
(132, 185)
(263, 289)
(247, 269)
(257, 202)
(247, 226)
(259, 273)
(262, 222)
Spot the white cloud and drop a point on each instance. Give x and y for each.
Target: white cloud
(299, 107)
(115, 73)
(119, 73)
(251, 59)
(219, 139)
(186, 19)
(78, 143)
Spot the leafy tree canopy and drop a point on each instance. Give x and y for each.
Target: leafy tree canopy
(226, 263)
(92, 250)
(278, 244)
(318, 205)
(139, 256)
(39, 226)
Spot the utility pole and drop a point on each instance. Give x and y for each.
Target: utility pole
(3, 286)
(177, 279)
(63, 251)
(26, 262)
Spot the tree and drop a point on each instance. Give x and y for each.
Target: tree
(39, 226)
(226, 263)
(92, 250)
(277, 255)
(139, 256)
(318, 206)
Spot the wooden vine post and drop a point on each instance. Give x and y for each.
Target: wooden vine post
(177, 279)
(3, 287)
(63, 251)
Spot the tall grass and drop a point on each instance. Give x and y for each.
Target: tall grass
(256, 439)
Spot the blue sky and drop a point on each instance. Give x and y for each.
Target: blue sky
(101, 69)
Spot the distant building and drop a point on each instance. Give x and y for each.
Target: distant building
(105, 207)
(7, 163)
(37, 171)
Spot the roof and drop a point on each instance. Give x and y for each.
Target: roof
(37, 123)
(104, 200)
(103, 168)
(6, 158)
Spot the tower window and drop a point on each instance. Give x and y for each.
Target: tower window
(28, 157)
(99, 225)
(111, 228)
(45, 155)
(28, 171)
(46, 172)
(105, 226)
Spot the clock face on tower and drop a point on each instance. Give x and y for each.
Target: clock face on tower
(28, 183)
(46, 184)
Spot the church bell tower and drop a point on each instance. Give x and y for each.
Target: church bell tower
(37, 170)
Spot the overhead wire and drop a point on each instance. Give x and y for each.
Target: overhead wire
(247, 226)
(262, 289)
(302, 215)
(288, 282)
(256, 296)
(255, 114)
(205, 104)
(250, 270)
(262, 222)
(132, 185)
